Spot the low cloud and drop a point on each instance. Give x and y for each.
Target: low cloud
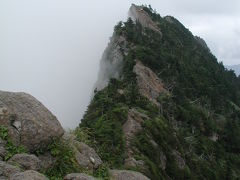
(52, 49)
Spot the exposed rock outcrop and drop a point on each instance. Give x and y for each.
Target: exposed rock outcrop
(125, 174)
(28, 175)
(112, 61)
(26, 161)
(85, 155)
(138, 14)
(130, 129)
(150, 86)
(29, 123)
(78, 176)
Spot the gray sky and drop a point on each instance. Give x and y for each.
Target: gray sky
(51, 48)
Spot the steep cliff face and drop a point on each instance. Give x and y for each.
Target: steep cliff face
(164, 106)
(149, 85)
(111, 63)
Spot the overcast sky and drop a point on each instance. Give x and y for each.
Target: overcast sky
(52, 48)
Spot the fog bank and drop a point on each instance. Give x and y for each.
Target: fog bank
(52, 48)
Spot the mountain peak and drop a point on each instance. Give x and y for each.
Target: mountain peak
(138, 13)
(164, 106)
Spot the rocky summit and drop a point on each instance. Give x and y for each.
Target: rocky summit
(163, 108)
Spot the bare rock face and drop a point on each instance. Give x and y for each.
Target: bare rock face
(112, 61)
(137, 13)
(78, 176)
(125, 174)
(28, 175)
(29, 123)
(150, 86)
(26, 161)
(130, 129)
(7, 170)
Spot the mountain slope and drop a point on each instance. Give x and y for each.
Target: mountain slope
(235, 68)
(163, 105)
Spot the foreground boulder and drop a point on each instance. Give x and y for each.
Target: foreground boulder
(28, 175)
(126, 174)
(26, 161)
(7, 170)
(78, 176)
(28, 121)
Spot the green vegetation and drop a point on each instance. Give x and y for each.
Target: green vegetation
(200, 116)
(106, 119)
(10, 147)
(102, 172)
(65, 160)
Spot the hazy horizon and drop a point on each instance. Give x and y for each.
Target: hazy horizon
(52, 48)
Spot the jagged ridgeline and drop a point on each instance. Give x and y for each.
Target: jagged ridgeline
(163, 104)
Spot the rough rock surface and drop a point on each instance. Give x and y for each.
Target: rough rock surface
(180, 161)
(85, 155)
(112, 61)
(78, 176)
(28, 175)
(7, 170)
(126, 175)
(137, 13)
(29, 123)
(130, 128)
(47, 160)
(131, 162)
(150, 86)
(3, 151)
(26, 161)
